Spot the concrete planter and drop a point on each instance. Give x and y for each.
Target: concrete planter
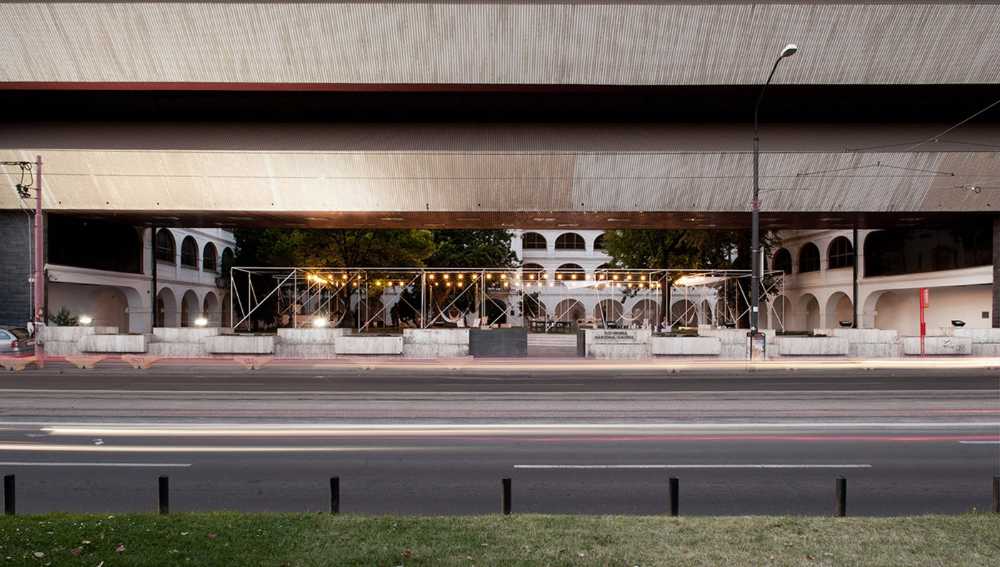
(48, 333)
(985, 342)
(867, 343)
(368, 345)
(113, 344)
(185, 334)
(938, 346)
(812, 346)
(620, 344)
(435, 343)
(239, 344)
(436, 336)
(685, 346)
(311, 336)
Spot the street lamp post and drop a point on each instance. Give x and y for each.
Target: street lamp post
(788, 51)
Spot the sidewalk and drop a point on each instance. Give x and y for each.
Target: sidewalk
(671, 364)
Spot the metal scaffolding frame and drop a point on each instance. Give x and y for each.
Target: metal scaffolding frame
(475, 297)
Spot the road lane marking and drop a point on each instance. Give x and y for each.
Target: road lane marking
(705, 466)
(81, 464)
(357, 430)
(59, 448)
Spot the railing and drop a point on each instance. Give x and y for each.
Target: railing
(506, 495)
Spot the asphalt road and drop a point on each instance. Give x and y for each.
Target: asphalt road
(410, 441)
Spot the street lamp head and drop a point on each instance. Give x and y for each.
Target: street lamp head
(789, 50)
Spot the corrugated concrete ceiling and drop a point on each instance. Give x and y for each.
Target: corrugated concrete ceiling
(497, 43)
(297, 183)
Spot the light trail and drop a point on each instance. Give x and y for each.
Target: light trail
(687, 466)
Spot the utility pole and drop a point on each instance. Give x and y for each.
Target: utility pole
(39, 265)
(788, 51)
(34, 171)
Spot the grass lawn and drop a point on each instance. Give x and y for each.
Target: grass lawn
(223, 539)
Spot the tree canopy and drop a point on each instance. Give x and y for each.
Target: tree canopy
(678, 249)
(374, 248)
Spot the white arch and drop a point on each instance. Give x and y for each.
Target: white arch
(838, 308)
(212, 309)
(810, 314)
(190, 308)
(609, 312)
(167, 312)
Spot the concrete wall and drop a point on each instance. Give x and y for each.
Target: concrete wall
(900, 310)
(15, 290)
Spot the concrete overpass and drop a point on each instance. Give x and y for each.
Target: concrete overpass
(502, 113)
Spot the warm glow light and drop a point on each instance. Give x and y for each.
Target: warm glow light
(461, 276)
(489, 276)
(616, 278)
(445, 276)
(430, 277)
(448, 284)
(460, 284)
(503, 276)
(84, 320)
(319, 322)
(200, 322)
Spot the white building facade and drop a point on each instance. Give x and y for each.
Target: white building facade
(186, 263)
(560, 258)
(819, 288)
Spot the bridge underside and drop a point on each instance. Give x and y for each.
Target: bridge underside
(499, 113)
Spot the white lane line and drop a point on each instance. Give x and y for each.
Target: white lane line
(410, 393)
(706, 466)
(59, 448)
(284, 430)
(53, 464)
(980, 442)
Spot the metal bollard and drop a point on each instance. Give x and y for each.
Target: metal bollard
(8, 495)
(164, 494)
(334, 494)
(505, 496)
(841, 497)
(996, 494)
(675, 490)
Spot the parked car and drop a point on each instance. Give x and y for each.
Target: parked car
(15, 341)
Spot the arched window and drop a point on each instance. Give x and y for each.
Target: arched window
(227, 261)
(841, 253)
(569, 272)
(189, 252)
(166, 250)
(210, 258)
(533, 241)
(570, 241)
(782, 261)
(599, 243)
(809, 258)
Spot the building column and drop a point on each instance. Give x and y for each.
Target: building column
(996, 273)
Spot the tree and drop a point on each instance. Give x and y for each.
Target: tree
(678, 249)
(682, 249)
(472, 249)
(333, 248)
